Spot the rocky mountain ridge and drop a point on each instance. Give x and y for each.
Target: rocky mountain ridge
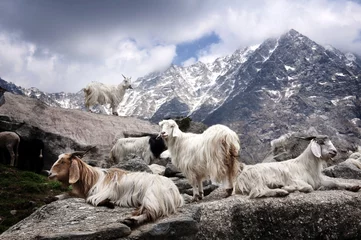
(289, 83)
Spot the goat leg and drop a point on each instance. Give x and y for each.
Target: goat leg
(353, 188)
(106, 203)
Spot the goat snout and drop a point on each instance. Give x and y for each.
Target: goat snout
(333, 153)
(51, 175)
(163, 134)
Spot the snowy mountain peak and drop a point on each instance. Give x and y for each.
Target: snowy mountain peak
(277, 67)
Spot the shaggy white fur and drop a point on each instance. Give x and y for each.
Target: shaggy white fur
(99, 93)
(212, 154)
(154, 195)
(148, 148)
(300, 174)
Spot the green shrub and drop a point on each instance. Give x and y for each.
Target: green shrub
(24, 192)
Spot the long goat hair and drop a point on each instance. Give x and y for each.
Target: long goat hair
(154, 195)
(102, 94)
(212, 154)
(146, 147)
(302, 173)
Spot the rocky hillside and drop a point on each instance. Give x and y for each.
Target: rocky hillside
(320, 214)
(64, 130)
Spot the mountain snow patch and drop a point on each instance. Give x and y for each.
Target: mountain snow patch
(289, 68)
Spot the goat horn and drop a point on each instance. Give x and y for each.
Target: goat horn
(81, 154)
(124, 76)
(306, 138)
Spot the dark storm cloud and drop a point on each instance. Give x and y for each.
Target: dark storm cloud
(63, 25)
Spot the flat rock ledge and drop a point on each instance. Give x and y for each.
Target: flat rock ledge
(331, 214)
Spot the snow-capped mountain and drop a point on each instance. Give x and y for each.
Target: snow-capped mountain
(180, 91)
(61, 99)
(289, 83)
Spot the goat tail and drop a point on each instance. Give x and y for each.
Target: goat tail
(233, 153)
(112, 157)
(230, 148)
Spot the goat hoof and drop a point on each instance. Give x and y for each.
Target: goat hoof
(107, 203)
(354, 188)
(229, 192)
(196, 198)
(115, 114)
(130, 222)
(281, 193)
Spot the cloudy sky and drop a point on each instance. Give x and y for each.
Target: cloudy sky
(63, 45)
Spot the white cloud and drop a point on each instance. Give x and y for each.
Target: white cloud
(189, 61)
(71, 50)
(337, 23)
(54, 73)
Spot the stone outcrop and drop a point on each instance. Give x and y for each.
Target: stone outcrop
(64, 130)
(320, 214)
(344, 169)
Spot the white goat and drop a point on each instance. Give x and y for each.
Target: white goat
(147, 147)
(10, 141)
(355, 159)
(299, 174)
(280, 142)
(102, 94)
(211, 154)
(153, 195)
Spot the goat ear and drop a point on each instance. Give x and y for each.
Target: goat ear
(176, 131)
(316, 149)
(74, 172)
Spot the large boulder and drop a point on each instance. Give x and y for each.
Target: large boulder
(62, 130)
(346, 169)
(320, 214)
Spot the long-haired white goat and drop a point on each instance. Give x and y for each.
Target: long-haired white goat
(214, 154)
(100, 93)
(146, 147)
(299, 174)
(154, 196)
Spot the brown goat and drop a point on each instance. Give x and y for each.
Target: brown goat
(154, 196)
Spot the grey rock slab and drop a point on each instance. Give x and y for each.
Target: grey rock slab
(328, 214)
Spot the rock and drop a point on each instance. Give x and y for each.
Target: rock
(207, 189)
(345, 170)
(161, 161)
(179, 175)
(63, 130)
(157, 169)
(316, 215)
(134, 165)
(182, 184)
(170, 170)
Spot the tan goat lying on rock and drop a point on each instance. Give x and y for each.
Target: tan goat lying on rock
(154, 196)
(300, 174)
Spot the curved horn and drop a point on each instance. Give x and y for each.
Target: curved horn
(80, 154)
(306, 138)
